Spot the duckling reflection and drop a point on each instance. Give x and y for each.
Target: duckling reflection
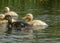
(38, 24)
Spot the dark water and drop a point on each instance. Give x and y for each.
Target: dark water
(49, 35)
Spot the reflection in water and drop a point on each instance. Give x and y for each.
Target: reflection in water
(49, 35)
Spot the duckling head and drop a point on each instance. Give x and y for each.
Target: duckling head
(28, 16)
(6, 9)
(2, 16)
(7, 17)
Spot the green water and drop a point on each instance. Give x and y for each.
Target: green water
(47, 10)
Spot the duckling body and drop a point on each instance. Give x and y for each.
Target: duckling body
(13, 14)
(22, 26)
(38, 24)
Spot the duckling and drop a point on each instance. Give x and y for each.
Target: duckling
(38, 24)
(5, 22)
(2, 16)
(13, 14)
(2, 21)
(9, 24)
(18, 25)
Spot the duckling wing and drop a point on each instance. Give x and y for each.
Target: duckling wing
(38, 24)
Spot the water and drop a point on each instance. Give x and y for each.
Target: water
(49, 35)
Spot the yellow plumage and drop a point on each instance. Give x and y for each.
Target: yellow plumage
(37, 24)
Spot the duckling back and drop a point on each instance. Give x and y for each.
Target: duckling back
(12, 14)
(38, 24)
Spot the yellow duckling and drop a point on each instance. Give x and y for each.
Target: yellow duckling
(2, 19)
(3, 23)
(38, 24)
(13, 14)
